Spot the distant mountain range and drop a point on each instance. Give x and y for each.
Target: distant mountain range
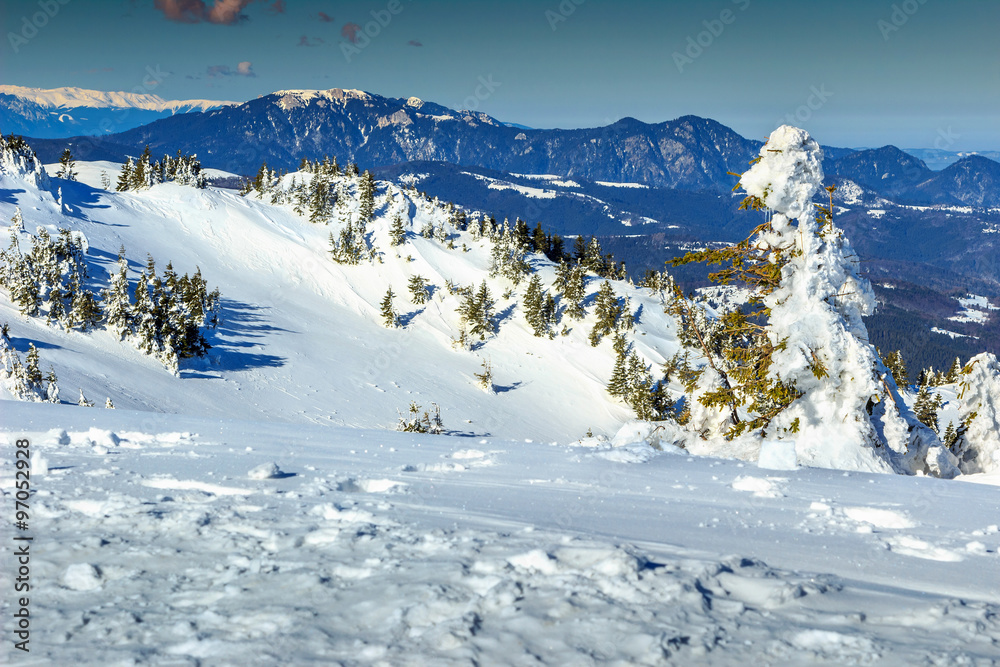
(650, 191)
(70, 112)
(689, 153)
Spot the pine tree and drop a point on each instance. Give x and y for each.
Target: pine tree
(894, 362)
(17, 222)
(52, 390)
(67, 166)
(608, 311)
(955, 372)
(125, 177)
(396, 232)
(83, 402)
(618, 385)
(485, 378)
(389, 317)
(366, 193)
(319, 202)
(538, 307)
(418, 290)
(32, 373)
(117, 307)
(925, 408)
(574, 292)
(950, 437)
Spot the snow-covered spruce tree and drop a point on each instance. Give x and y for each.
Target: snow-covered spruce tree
(926, 407)
(116, 304)
(366, 201)
(83, 402)
(608, 310)
(571, 283)
(538, 308)
(109, 404)
(125, 176)
(476, 311)
(397, 234)
(67, 166)
(816, 380)
(978, 438)
(389, 316)
(414, 422)
(485, 379)
(418, 289)
(897, 366)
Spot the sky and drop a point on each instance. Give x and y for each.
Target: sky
(855, 73)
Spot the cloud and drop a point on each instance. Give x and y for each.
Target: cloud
(245, 68)
(305, 41)
(414, 42)
(278, 7)
(325, 18)
(350, 32)
(225, 12)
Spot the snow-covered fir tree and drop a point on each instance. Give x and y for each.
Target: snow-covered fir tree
(418, 290)
(390, 318)
(67, 166)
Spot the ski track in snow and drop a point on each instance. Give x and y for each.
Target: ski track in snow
(229, 544)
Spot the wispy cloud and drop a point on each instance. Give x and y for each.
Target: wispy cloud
(325, 18)
(350, 32)
(226, 12)
(277, 7)
(305, 41)
(414, 42)
(244, 68)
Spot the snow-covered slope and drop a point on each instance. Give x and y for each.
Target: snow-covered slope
(156, 541)
(301, 338)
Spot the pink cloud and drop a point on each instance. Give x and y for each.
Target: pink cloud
(325, 18)
(225, 12)
(278, 7)
(350, 32)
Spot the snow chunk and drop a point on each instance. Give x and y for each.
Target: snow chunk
(789, 172)
(82, 577)
(880, 518)
(761, 488)
(777, 455)
(265, 471)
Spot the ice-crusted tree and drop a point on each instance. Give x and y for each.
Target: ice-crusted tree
(116, 303)
(977, 441)
(812, 378)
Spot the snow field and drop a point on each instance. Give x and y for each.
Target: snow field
(156, 543)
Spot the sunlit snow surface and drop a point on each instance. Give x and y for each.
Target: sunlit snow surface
(157, 541)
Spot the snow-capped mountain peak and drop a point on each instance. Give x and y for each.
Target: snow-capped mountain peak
(71, 98)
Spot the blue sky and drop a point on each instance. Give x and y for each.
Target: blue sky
(918, 74)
